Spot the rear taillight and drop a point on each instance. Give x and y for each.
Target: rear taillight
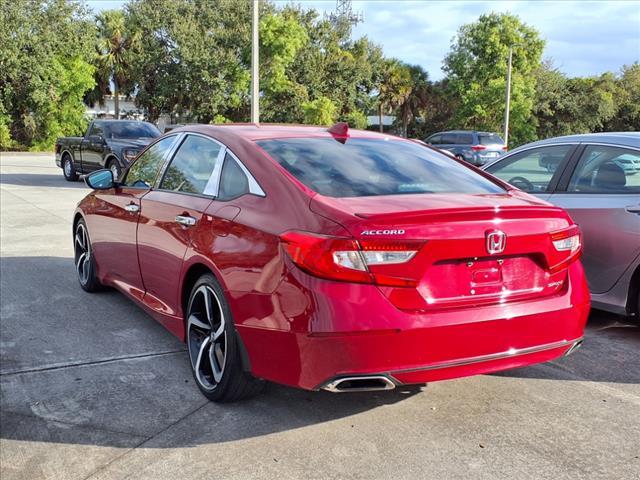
(348, 260)
(477, 148)
(568, 244)
(505, 148)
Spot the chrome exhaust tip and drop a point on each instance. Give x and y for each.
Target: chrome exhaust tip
(365, 383)
(573, 348)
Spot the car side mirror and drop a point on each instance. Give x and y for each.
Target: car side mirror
(100, 180)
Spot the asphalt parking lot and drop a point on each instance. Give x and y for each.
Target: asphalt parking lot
(92, 388)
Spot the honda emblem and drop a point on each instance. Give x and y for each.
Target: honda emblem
(496, 241)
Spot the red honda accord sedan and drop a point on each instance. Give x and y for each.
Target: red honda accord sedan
(331, 259)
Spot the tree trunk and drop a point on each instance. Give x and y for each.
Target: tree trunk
(380, 118)
(116, 98)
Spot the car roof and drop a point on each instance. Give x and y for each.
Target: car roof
(465, 131)
(265, 131)
(627, 139)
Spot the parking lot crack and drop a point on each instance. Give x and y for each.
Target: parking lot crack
(60, 366)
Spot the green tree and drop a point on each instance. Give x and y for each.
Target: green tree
(45, 69)
(627, 117)
(476, 68)
(321, 111)
(115, 45)
(394, 88)
(416, 100)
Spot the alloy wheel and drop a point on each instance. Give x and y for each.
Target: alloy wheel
(67, 167)
(82, 253)
(115, 171)
(207, 337)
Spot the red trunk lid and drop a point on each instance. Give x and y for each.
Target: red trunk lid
(454, 267)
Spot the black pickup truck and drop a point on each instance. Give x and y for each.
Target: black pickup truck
(111, 144)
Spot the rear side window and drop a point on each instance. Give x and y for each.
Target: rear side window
(490, 139)
(192, 166)
(434, 140)
(464, 139)
(367, 167)
(143, 172)
(449, 138)
(607, 169)
(233, 181)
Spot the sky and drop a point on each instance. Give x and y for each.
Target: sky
(583, 37)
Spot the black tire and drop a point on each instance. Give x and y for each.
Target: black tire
(213, 345)
(115, 168)
(83, 259)
(68, 169)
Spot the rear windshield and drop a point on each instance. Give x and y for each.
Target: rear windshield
(369, 167)
(490, 139)
(130, 130)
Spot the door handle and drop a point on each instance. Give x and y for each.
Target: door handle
(185, 220)
(633, 208)
(132, 207)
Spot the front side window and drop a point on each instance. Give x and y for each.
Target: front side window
(144, 170)
(233, 181)
(531, 170)
(367, 167)
(192, 165)
(607, 169)
(434, 140)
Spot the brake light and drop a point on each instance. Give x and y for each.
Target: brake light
(505, 148)
(348, 260)
(477, 148)
(568, 240)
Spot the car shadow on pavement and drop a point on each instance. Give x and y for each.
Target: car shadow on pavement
(39, 180)
(609, 353)
(94, 369)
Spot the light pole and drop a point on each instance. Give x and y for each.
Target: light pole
(508, 100)
(255, 63)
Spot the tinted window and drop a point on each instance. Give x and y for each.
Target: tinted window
(233, 181)
(363, 167)
(464, 138)
(531, 170)
(192, 166)
(126, 129)
(448, 138)
(96, 130)
(490, 139)
(604, 169)
(144, 170)
(435, 140)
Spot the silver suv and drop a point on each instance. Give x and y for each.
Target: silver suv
(477, 148)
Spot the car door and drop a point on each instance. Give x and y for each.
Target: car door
(171, 213)
(114, 222)
(535, 170)
(603, 197)
(93, 146)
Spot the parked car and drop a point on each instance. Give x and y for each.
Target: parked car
(111, 144)
(331, 259)
(594, 177)
(477, 148)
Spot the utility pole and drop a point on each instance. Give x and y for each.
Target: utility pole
(255, 63)
(508, 101)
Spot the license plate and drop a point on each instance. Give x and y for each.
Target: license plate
(491, 155)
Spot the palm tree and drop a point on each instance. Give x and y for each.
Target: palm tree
(417, 98)
(393, 87)
(115, 44)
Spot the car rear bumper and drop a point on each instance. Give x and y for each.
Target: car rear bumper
(350, 335)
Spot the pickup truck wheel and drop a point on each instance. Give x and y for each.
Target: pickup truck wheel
(115, 168)
(68, 170)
